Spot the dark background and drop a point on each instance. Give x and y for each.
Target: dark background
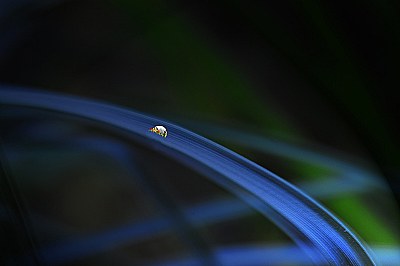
(329, 69)
(320, 74)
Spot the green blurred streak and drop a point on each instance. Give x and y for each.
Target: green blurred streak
(312, 172)
(198, 74)
(355, 212)
(200, 78)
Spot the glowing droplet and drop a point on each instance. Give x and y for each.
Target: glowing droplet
(160, 130)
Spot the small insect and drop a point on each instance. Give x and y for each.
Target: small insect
(160, 130)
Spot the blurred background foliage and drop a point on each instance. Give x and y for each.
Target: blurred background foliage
(284, 83)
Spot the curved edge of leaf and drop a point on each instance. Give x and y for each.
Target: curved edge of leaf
(317, 231)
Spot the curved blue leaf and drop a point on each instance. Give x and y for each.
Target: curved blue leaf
(321, 235)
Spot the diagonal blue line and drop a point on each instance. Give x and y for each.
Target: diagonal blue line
(318, 232)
